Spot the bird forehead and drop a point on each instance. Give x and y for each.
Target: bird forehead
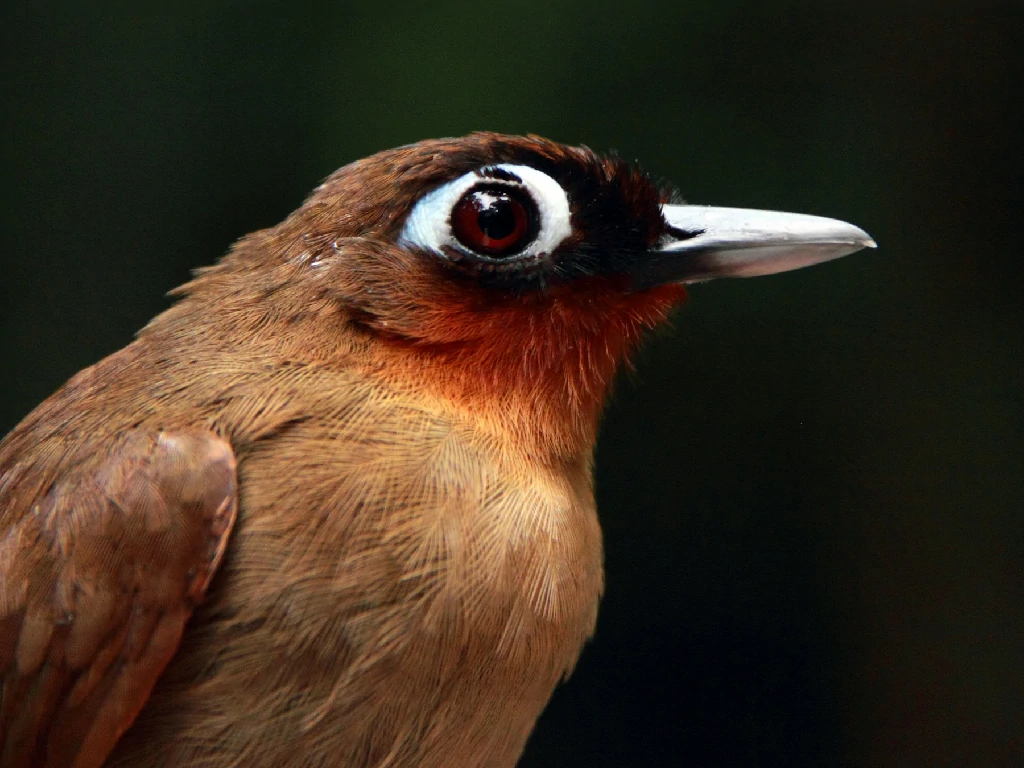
(429, 164)
(611, 203)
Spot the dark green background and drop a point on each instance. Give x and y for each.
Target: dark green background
(812, 488)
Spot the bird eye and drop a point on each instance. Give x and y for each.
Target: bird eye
(495, 220)
(496, 212)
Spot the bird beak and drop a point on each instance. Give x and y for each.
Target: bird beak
(703, 243)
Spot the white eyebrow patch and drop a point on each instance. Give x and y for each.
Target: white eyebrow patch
(429, 225)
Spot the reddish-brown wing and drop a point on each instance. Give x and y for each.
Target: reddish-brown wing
(97, 579)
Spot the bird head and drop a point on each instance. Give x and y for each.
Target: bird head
(513, 273)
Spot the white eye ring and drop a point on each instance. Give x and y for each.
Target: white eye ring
(429, 225)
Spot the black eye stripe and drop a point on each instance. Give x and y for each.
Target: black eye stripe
(499, 174)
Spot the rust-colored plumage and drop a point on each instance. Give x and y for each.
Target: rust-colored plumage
(416, 559)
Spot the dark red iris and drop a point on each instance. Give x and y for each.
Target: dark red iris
(495, 220)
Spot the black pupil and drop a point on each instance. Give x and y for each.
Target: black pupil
(496, 217)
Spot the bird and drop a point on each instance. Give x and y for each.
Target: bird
(335, 506)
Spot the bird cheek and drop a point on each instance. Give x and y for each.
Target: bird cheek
(398, 293)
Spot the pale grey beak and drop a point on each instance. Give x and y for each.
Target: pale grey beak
(704, 243)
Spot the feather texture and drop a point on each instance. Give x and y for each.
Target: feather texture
(416, 561)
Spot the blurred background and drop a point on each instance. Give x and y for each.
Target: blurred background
(812, 486)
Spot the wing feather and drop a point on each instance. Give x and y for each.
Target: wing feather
(98, 576)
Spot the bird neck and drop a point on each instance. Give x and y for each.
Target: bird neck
(534, 367)
(537, 369)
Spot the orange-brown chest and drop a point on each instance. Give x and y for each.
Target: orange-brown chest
(456, 529)
(401, 578)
